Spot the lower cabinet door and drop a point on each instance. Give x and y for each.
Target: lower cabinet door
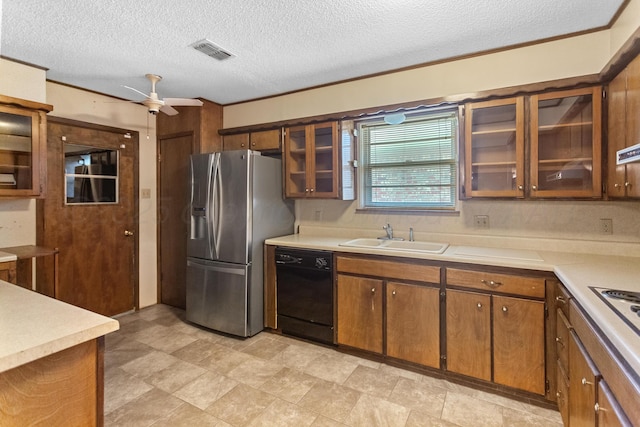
(360, 312)
(582, 385)
(608, 411)
(413, 323)
(518, 343)
(469, 334)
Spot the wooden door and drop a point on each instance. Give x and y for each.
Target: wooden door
(582, 385)
(633, 125)
(413, 323)
(469, 334)
(97, 241)
(360, 312)
(173, 217)
(518, 343)
(616, 134)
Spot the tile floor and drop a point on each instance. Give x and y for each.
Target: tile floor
(162, 371)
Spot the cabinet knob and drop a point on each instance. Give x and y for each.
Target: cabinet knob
(616, 186)
(505, 309)
(393, 292)
(306, 190)
(312, 190)
(585, 382)
(253, 143)
(627, 184)
(534, 187)
(373, 290)
(128, 233)
(242, 145)
(561, 300)
(559, 341)
(479, 305)
(520, 187)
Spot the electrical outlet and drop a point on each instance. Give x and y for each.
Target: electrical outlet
(606, 226)
(481, 221)
(145, 193)
(318, 215)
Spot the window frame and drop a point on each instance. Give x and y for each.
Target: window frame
(411, 115)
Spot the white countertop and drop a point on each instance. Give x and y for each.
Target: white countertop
(5, 257)
(577, 271)
(33, 326)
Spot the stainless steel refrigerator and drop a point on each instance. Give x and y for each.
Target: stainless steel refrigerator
(236, 203)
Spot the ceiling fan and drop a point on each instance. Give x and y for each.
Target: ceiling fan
(165, 105)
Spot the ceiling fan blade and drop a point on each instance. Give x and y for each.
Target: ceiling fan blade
(136, 90)
(168, 110)
(183, 102)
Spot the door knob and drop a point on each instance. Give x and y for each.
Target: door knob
(128, 233)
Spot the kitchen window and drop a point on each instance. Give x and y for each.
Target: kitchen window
(411, 164)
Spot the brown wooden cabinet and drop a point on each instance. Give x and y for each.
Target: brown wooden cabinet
(8, 271)
(394, 311)
(268, 140)
(608, 412)
(582, 385)
(468, 331)
(412, 315)
(623, 131)
(506, 333)
(311, 161)
(23, 152)
(494, 148)
(565, 132)
(360, 312)
(199, 124)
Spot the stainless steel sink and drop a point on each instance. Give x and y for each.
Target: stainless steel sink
(397, 245)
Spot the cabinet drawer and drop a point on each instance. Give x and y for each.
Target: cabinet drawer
(390, 269)
(562, 341)
(562, 394)
(517, 285)
(562, 299)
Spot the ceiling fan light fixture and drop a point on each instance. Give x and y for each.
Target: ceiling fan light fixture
(211, 49)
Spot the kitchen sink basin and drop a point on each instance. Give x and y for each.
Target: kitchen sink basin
(397, 245)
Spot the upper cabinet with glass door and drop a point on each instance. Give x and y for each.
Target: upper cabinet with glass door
(566, 144)
(311, 161)
(494, 147)
(22, 148)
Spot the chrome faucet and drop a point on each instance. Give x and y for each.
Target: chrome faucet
(389, 231)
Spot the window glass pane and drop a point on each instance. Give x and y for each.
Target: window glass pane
(412, 164)
(91, 174)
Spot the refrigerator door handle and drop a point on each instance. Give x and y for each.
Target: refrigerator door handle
(239, 271)
(215, 194)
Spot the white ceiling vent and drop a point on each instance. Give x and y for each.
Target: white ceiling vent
(210, 49)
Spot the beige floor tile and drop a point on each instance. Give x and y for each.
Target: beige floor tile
(323, 421)
(175, 376)
(371, 381)
(419, 396)
(374, 411)
(121, 388)
(331, 368)
(266, 348)
(330, 399)
(223, 359)
(405, 373)
(196, 351)
(254, 372)
(151, 333)
(143, 411)
(190, 416)
(297, 356)
(420, 419)
(514, 418)
(149, 364)
(124, 352)
(241, 405)
(284, 414)
(205, 389)
(465, 410)
(289, 385)
(360, 361)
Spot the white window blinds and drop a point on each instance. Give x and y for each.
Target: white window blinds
(412, 164)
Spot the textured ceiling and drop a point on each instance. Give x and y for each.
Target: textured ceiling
(279, 45)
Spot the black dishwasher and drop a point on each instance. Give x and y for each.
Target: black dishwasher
(305, 293)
